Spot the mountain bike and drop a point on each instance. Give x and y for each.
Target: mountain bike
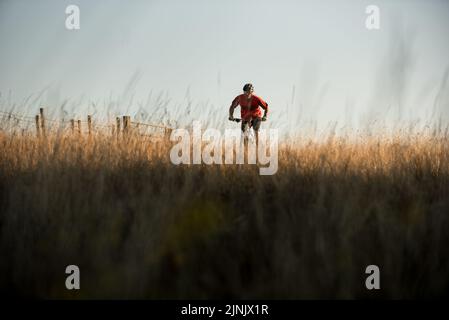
(248, 134)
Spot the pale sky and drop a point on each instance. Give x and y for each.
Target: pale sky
(310, 60)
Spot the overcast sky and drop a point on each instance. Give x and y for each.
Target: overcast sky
(310, 60)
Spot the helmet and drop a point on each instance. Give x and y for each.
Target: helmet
(248, 87)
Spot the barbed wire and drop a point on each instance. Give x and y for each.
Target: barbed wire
(150, 125)
(18, 118)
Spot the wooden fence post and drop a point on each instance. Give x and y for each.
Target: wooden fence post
(79, 126)
(38, 128)
(41, 110)
(126, 124)
(72, 125)
(118, 125)
(89, 123)
(167, 133)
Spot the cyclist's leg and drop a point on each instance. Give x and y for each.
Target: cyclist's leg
(256, 126)
(245, 134)
(245, 125)
(245, 129)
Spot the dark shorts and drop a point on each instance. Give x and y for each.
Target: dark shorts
(255, 123)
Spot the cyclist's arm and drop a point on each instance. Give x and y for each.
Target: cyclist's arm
(265, 110)
(264, 106)
(234, 105)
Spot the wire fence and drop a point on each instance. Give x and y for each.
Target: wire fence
(14, 123)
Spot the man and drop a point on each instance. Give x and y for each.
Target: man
(249, 109)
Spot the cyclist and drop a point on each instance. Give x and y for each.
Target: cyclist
(249, 109)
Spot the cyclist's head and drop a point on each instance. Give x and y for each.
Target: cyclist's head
(248, 89)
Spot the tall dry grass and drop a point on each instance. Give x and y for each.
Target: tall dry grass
(140, 227)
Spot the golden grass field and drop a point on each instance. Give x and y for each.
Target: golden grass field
(141, 227)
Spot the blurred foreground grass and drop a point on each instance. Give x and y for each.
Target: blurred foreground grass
(140, 227)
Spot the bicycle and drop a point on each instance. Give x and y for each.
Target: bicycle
(249, 133)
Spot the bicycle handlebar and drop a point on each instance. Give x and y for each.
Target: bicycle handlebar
(238, 119)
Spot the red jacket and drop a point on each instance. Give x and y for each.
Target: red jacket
(250, 108)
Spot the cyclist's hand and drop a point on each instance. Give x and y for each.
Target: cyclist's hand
(264, 118)
(231, 118)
